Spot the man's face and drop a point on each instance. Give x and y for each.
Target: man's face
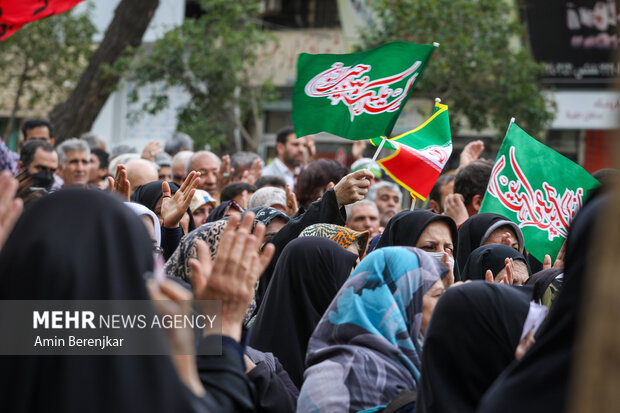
(165, 174)
(75, 170)
(43, 161)
(364, 217)
(93, 169)
(446, 190)
(293, 151)
(40, 132)
(178, 173)
(207, 165)
(387, 201)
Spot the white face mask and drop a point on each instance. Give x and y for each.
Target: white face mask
(439, 257)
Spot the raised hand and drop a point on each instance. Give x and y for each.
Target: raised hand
(291, 202)
(152, 149)
(232, 277)
(225, 174)
(510, 271)
(454, 207)
(505, 277)
(120, 184)
(358, 149)
(471, 152)
(174, 206)
(255, 172)
(353, 187)
(448, 280)
(310, 147)
(559, 260)
(10, 207)
(169, 298)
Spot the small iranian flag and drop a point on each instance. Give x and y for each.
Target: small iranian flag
(359, 95)
(14, 14)
(538, 189)
(421, 154)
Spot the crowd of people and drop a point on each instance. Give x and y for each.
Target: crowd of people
(333, 297)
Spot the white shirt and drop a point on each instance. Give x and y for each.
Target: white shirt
(277, 168)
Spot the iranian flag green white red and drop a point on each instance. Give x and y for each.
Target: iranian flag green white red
(421, 154)
(359, 95)
(538, 189)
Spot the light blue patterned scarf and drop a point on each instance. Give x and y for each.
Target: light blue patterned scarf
(365, 349)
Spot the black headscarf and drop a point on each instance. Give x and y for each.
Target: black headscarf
(472, 233)
(88, 246)
(541, 281)
(149, 194)
(489, 257)
(265, 214)
(308, 275)
(539, 381)
(486, 320)
(220, 211)
(405, 228)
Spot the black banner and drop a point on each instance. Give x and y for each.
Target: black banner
(576, 40)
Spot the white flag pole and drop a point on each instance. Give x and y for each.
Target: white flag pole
(435, 44)
(512, 120)
(374, 158)
(412, 203)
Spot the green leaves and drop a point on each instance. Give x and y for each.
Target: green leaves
(482, 69)
(210, 57)
(49, 54)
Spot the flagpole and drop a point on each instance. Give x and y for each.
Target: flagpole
(512, 120)
(412, 203)
(374, 158)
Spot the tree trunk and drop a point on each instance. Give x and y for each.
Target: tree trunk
(77, 114)
(18, 95)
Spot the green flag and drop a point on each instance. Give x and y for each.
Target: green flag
(359, 95)
(538, 189)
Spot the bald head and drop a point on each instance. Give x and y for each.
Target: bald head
(207, 164)
(140, 172)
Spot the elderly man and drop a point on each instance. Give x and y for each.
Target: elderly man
(387, 197)
(178, 142)
(180, 163)
(73, 162)
(363, 216)
(207, 164)
(140, 172)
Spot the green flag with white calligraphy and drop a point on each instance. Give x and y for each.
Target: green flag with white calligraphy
(538, 189)
(358, 95)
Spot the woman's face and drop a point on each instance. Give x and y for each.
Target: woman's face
(436, 237)
(429, 301)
